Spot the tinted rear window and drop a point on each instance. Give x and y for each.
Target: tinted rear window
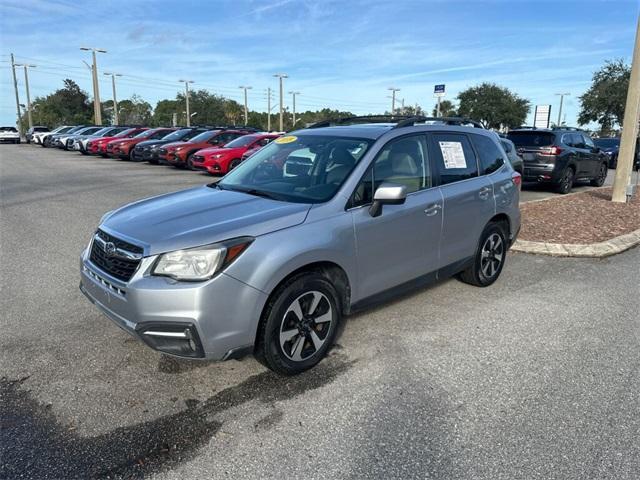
(531, 139)
(8, 129)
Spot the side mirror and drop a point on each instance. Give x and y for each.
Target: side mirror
(387, 194)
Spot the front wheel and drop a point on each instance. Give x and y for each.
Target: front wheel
(190, 161)
(602, 176)
(489, 258)
(299, 324)
(234, 163)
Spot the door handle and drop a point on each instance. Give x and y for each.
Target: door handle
(483, 193)
(433, 209)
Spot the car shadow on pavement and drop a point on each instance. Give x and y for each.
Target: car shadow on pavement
(34, 444)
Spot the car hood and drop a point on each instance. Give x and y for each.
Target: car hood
(176, 144)
(200, 216)
(221, 150)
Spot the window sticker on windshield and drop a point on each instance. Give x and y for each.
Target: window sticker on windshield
(287, 139)
(453, 155)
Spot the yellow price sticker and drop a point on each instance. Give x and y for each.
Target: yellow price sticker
(287, 139)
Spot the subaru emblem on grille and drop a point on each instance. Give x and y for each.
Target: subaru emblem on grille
(109, 248)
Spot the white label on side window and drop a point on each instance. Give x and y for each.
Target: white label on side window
(453, 155)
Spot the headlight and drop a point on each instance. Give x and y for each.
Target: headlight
(201, 263)
(218, 155)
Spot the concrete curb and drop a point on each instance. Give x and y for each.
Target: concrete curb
(593, 250)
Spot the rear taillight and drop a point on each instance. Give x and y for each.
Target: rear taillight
(555, 151)
(517, 179)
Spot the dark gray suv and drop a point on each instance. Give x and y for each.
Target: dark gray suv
(314, 225)
(560, 157)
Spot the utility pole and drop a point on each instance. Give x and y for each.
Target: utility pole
(246, 108)
(97, 110)
(294, 106)
(268, 109)
(186, 87)
(393, 99)
(115, 101)
(562, 95)
(15, 86)
(281, 76)
(26, 83)
(630, 128)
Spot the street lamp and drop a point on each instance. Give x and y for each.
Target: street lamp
(246, 109)
(186, 87)
(281, 76)
(115, 101)
(294, 105)
(26, 82)
(562, 95)
(96, 90)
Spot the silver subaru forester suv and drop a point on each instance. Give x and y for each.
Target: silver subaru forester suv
(319, 223)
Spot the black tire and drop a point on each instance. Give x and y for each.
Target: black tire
(190, 161)
(565, 184)
(602, 176)
(17, 142)
(234, 163)
(280, 321)
(613, 163)
(489, 258)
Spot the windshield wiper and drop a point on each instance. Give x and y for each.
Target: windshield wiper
(248, 191)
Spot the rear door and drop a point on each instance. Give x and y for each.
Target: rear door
(468, 196)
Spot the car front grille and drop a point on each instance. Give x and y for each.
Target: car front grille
(116, 257)
(109, 148)
(162, 151)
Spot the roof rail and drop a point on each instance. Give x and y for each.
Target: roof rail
(359, 119)
(460, 121)
(560, 127)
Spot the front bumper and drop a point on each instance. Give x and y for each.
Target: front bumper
(223, 311)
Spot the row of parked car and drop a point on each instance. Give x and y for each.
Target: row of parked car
(559, 157)
(215, 149)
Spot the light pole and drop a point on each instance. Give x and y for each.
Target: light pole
(26, 83)
(186, 87)
(622, 190)
(246, 109)
(562, 95)
(393, 99)
(281, 76)
(15, 86)
(97, 114)
(115, 101)
(294, 106)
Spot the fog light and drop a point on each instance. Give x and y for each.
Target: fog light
(173, 338)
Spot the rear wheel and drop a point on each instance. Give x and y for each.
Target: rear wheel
(489, 258)
(299, 324)
(602, 176)
(565, 184)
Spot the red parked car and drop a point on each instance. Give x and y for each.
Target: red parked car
(180, 154)
(99, 145)
(121, 148)
(220, 160)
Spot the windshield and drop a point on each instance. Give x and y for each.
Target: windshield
(103, 131)
(179, 135)
(204, 136)
(146, 133)
(241, 141)
(125, 133)
(304, 168)
(62, 130)
(531, 139)
(607, 142)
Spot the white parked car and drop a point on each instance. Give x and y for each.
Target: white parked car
(9, 135)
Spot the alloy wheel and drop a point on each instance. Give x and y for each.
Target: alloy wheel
(492, 255)
(306, 325)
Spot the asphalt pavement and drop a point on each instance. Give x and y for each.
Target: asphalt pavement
(535, 377)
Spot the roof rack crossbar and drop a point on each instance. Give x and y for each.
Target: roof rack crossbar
(460, 121)
(358, 119)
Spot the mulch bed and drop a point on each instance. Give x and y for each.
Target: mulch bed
(582, 218)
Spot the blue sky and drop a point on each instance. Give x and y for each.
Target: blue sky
(338, 54)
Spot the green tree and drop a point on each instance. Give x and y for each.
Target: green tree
(447, 109)
(69, 105)
(493, 106)
(163, 113)
(605, 100)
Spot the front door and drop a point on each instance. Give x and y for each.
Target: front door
(403, 242)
